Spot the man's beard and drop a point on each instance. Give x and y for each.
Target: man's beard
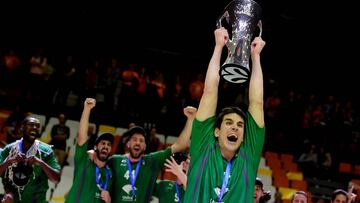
(99, 157)
(132, 154)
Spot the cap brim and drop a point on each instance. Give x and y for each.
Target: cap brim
(105, 136)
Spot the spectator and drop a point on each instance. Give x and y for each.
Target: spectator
(59, 134)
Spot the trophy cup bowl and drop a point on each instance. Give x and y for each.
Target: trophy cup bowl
(243, 17)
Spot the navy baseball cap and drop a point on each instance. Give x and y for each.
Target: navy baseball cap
(105, 136)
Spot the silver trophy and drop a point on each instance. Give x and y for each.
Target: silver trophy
(243, 16)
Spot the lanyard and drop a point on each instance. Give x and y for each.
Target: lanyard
(133, 178)
(97, 178)
(225, 181)
(177, 192)
(21, 146)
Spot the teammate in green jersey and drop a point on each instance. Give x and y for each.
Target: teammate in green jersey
(92, 176)
(27, 164)
(225, 150)
(170, 191)
(135, 173)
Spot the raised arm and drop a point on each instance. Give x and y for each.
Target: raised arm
(208, 102)
(183, 141)
(84, 121)
(256, 85)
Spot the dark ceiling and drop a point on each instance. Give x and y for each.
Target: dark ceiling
(312, 41)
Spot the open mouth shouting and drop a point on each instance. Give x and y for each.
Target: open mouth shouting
(232, 138)
(33, 133)
(104, 152)
(136, 149)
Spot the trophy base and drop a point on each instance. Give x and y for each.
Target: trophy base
(234, 73)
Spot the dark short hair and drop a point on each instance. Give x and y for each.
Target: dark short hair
(337, 192)
(105, 136)
(259, 182)
(228, 110)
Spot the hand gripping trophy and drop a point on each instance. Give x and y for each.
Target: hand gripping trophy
(243, 16)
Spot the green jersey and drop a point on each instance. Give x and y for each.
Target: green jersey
(207, 166)
(166, 191)
(145, 178)
(37, 181)
(88, 183)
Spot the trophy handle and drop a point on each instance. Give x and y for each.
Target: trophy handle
(218, 23)
(230, 45)
(225, 15)
(260, 27)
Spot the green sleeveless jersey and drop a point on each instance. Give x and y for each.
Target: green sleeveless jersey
(86, 186)
(207, 166)
(35, 190)
(165, 190)
(149, 169)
